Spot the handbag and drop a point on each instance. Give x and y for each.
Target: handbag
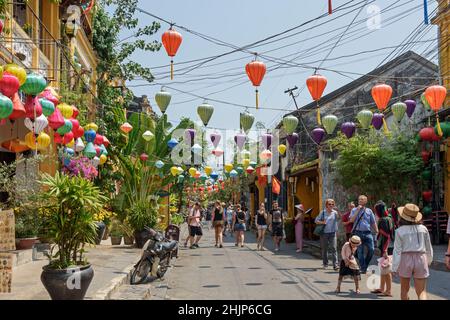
(319, 229)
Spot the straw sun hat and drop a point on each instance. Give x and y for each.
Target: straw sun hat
(410, 212)
(355, 240)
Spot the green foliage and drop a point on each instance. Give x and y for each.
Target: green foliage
(383, 167)
(70, 204)
(28, 224)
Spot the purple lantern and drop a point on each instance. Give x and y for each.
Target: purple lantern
(190, 134)
(267, 140)
(410, 107)
(377, 120)
(348, 128)
(292, 139)
(318, 134)
(240, 140)
(215, 139)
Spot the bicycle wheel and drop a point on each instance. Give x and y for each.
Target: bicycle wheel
(141, 272)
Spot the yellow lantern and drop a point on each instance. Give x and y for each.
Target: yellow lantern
(43, 140)
(208, 171)
(246, 163)
(66, 110)
(30, 140)
(282, 149)
(174, 171)
(71, 144)
(91, 126)
(16, 71)
(103, 159)
(228, 167)
(192, 172)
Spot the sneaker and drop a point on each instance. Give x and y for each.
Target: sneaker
(192, 247)
(336, 268)
(325, 266)
(235, 244)
(195, 245)
(221, 246)
(216, 245)
(277, 249)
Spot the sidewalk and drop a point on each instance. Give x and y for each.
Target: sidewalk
(111, 265)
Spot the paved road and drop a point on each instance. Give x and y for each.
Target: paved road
(243, 273)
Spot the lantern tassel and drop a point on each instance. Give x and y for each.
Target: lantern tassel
(425, 11)
(257, 99)
(319, 122)
(330, 8)
(439, 129)
(385, 127)
(171, 69)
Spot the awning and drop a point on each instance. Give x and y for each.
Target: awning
(300, 168)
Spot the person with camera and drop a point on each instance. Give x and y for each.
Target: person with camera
(328, 218)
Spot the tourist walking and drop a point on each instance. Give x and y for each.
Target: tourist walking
(298, 222)
(363, 220)
(276, 225)
(385, 244)
(348, 225)
(239, 225)
(413, 252)
(328, 239)
(261, 226)
(230, 215)
(195, 226)
(217, 217)
(188, 213)
(349, 266)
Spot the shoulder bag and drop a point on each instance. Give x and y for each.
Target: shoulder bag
(319, 229)
(359, 220)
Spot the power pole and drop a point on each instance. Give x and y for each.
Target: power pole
(291, 93)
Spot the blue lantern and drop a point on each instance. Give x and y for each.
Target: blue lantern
(159, 164)
(66, 162)
(172, 143)
(69, 152)
(233, 174)
(214, 175)
(90, 135)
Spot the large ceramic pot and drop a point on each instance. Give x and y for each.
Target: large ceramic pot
(25, 243)
(129, 241)
(67, 284)
(115, 241)
(101, 227)
(106, 234)
(141, 238)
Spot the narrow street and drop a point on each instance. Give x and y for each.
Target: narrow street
(243, 273)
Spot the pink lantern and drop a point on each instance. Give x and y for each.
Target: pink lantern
(215, 139)
(76, 112)
(68, 137)
(79, 132)
(143, 157)
(58, 138)
(75, 125)
(56, 120)
(217, 152)
(98, 150)
(266, 155)
(106, 142)
(99, 139)
(33, 108)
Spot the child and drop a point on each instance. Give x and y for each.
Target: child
(385, 265)
(349, 266)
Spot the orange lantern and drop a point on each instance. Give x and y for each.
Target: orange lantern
(126, 127)
(255, 71)
(316, 85)
(171, 40)
(435, 96)
(381, 94)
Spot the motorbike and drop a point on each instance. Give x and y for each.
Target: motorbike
(155, 259)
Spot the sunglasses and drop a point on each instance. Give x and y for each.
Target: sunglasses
(330, 204)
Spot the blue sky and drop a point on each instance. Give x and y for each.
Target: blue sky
(242, 22)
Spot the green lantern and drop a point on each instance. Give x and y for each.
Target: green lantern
(90, 151)
(240, 170)
(67, 127)
(205, 112)
(426, 175)
(6, 107)
(365, 118)
(246, 120)
(47, 107)
(34, 84)
(290, 123)
(180, 178)
(445, 127)
(253, 164)
(329, 123)
(399, 109)
(162, 99)
(427, 211)
(425, 102)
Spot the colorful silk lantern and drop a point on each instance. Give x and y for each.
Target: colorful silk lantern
(66, 110)
(381, 94)
(399, 110)
(267, 140)
(196, 149)
(348, 128)
(180, 170)
(34, 84)
(98, 139)
(75, 114)
(103, 159)
(425, 103)
(246, 154)
(250, 170)
(428, 134)
(435, 95)
(68, 137)
(16, 71)
(172, 143)
(174, 171)
(57, 138)
(205, 112)
(162, 99)
(90, 135)
(425, 156)
(171, 40)
(317, 135)
(79, 133)
(365, 118)
(33, 108)
(126, 127)
(143, 157)
(316, 85)
(98, 150)
(47, 107)
(30, 140)
(91, 126)
(43, 141)
(106, 142)
(282, 149)
(147, 135)
(215, 139)
(246, 121)
(9, 85)
(71, 144)
(208, 170)
(410, 107)
(330, 7)
(56, 120)
(292, 139)
(427, 210)
(218, 152)
(189, 134)
(79, 145)
(50, 94)
(233, 174)
(239, 139)
(180, 178)
(6, 107)
(197, 175)
(377, 120)
(67, 127)
(426, 175)
(103, 150)
(255, 71)
(192, 171)
(329, 123)
(18, 108)
(445, 127)
(290, 124)
(39, 124)
(246, 163)
(427, 196)
(76, 126)
(96, 161)
(228, 167)
(15, 145)
(266, 155)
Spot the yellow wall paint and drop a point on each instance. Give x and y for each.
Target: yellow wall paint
(305, 193)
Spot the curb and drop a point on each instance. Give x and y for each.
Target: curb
(114, 285)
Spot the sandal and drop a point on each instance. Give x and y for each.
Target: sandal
(357, 291)
(337, 291)
(385, 294)
(378, 291)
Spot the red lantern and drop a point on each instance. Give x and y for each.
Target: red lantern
(98, 139)
(144, 157)
(76, 112)
(75, 125)
(171, 40)
(18, 108)
(316, 85)
(255, 72)
(1, 26)
(435, 96)
(106, 142)
(58, 138)
(9, 84)
(425, 156)
(79, 132)
(201, 189)
(427, 196)
(68, 137)
(56, 120)
(98, 150)
(33, 107)
(381, 94)
(428, 134)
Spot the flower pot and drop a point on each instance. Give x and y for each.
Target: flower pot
(129, 241)
(67, 284)
(25, 243)
(100, 231)
(106, 235)
(141, 238)
(115, 241)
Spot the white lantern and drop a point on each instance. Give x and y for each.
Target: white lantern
(79, 145)
(39, 124)
(148, 135)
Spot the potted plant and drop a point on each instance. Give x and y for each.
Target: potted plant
(141, 215)
(116, 232)
(27, 229)
(71, 203)
(128, 234)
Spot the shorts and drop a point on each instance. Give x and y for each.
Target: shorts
(277, 230)
(195, 231)
(218, 223)
(262, 227)
(239, 227)
(413, 265)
